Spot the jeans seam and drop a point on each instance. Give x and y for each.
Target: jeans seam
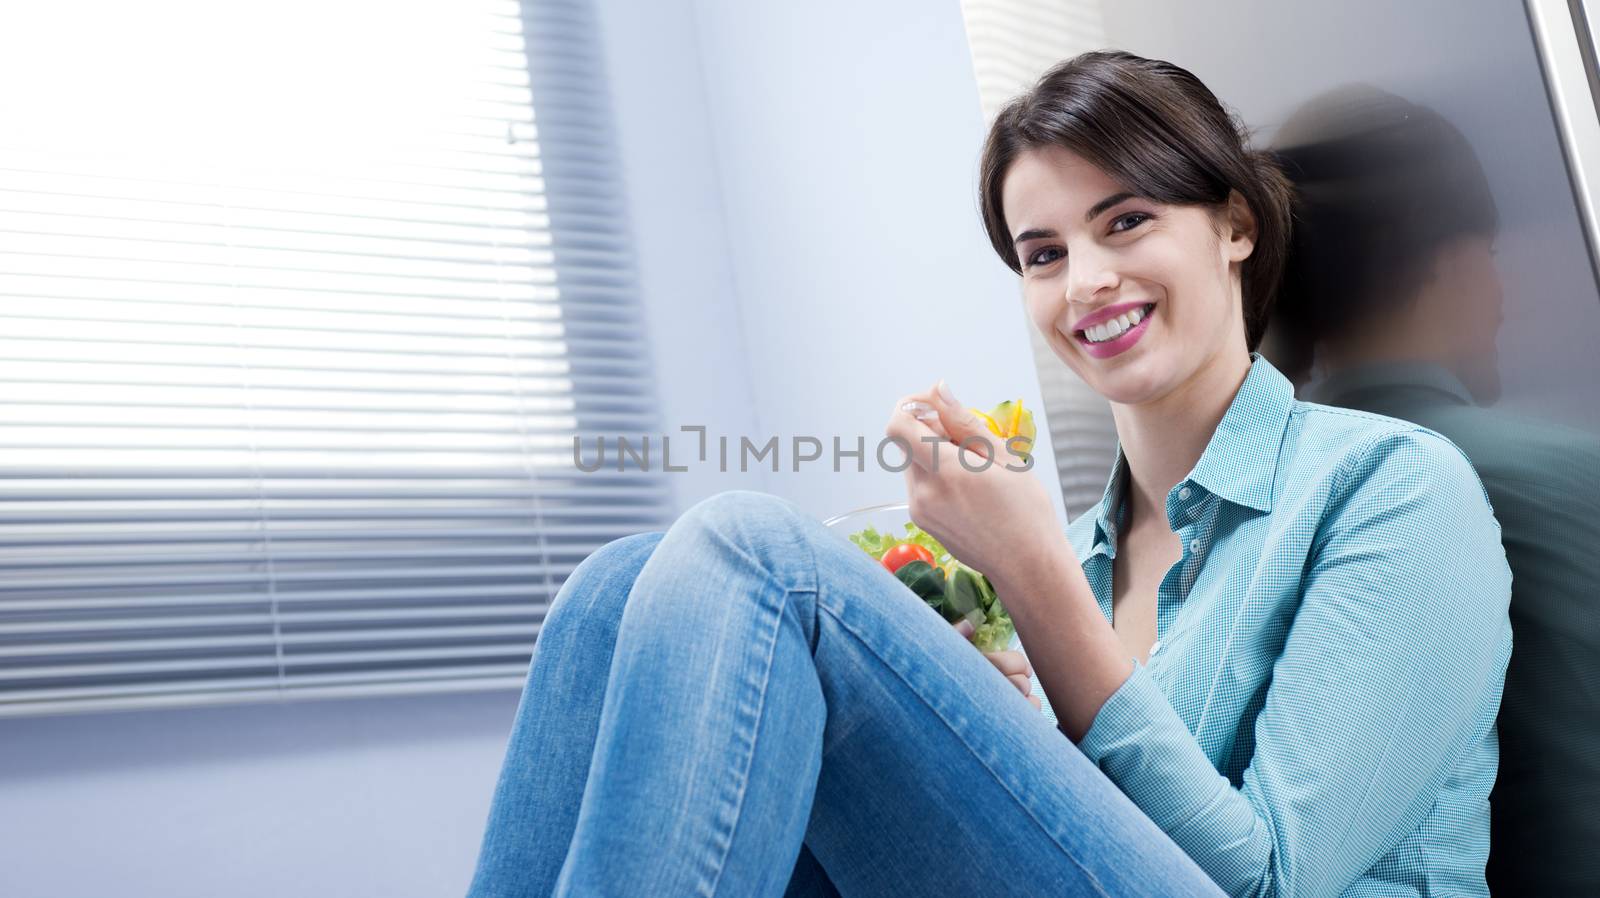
(1021, 804)
(748, 727)
(815, 590)
(773, 579)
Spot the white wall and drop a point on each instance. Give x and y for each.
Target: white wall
(669, 166)
(802, 187)
(363, 798)
(847, 137)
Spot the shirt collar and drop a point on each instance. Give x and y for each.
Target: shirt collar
(1107, 518)
(1239, 464)
(1340, 387)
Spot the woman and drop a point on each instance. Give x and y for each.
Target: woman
(1275, 649)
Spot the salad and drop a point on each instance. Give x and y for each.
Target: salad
(951, 588)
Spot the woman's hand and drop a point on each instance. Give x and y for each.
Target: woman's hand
(1014, 665)
(968, 491)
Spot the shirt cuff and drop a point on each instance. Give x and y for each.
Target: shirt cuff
(1129, 711)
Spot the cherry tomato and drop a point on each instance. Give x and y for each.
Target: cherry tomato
(903, 554)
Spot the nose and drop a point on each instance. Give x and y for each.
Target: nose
(1091, 271)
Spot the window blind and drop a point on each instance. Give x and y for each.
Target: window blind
(301, 306)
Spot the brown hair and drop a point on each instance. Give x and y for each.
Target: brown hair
(1157, 130)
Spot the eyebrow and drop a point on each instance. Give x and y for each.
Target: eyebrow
(1091, 215)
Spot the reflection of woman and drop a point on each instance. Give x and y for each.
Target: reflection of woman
(1393, 252)
(1276, 647)
(1392, 293)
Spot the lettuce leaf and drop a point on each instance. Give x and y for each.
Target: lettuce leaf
(961, 591)
(994, 635)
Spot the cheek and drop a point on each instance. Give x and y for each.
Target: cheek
(1041, 304)
(1209, 306)
(1191, 282)
(1045, 307)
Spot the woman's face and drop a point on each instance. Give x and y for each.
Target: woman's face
(1088, 248)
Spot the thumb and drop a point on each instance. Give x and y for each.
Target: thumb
(965, 428)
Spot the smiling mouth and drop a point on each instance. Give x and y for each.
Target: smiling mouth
(1107, 331)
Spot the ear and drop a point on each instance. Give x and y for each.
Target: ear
(1239, 229)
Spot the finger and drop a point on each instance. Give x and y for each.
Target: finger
(1023, 684)
(1011, 663)
(914, 437)
(1034, 700)
(963, 427)
(923, 405)
(965, 628)
(926, 412)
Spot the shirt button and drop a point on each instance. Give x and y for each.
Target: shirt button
(1184, 494)
(1194, 545)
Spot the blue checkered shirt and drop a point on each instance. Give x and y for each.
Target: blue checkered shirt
(1317, 717)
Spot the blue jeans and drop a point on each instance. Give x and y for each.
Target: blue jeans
(749, 705)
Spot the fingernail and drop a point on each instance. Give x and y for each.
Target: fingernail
(922, 411)
(945, 394)
(965, 628)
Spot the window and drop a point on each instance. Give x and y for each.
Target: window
(301, 306)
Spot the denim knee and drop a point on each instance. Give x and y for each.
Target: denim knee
(597, 589)
(741, 511)
(768, 528)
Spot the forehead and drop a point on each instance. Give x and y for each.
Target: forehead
(1051, 185)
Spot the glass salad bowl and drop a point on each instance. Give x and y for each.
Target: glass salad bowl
(950, 587)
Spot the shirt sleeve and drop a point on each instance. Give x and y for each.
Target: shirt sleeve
(1401, 637)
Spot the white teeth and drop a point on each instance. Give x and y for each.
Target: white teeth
(1114, 328)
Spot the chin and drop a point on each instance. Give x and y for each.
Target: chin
(1137, 375)
(1129, 387)
(1133, 383)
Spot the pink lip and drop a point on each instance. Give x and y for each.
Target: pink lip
(1101, 316)
(1121, 344)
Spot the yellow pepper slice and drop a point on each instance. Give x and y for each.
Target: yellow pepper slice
(1009, 420)
(989, 422)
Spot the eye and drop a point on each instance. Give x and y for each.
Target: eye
(1040, 256)
(1139, 219)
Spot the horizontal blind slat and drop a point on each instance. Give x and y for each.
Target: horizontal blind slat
(216, 689)
(298, 418)
(263, 639)
(87, 701)
(445, 594)
(135, 668)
